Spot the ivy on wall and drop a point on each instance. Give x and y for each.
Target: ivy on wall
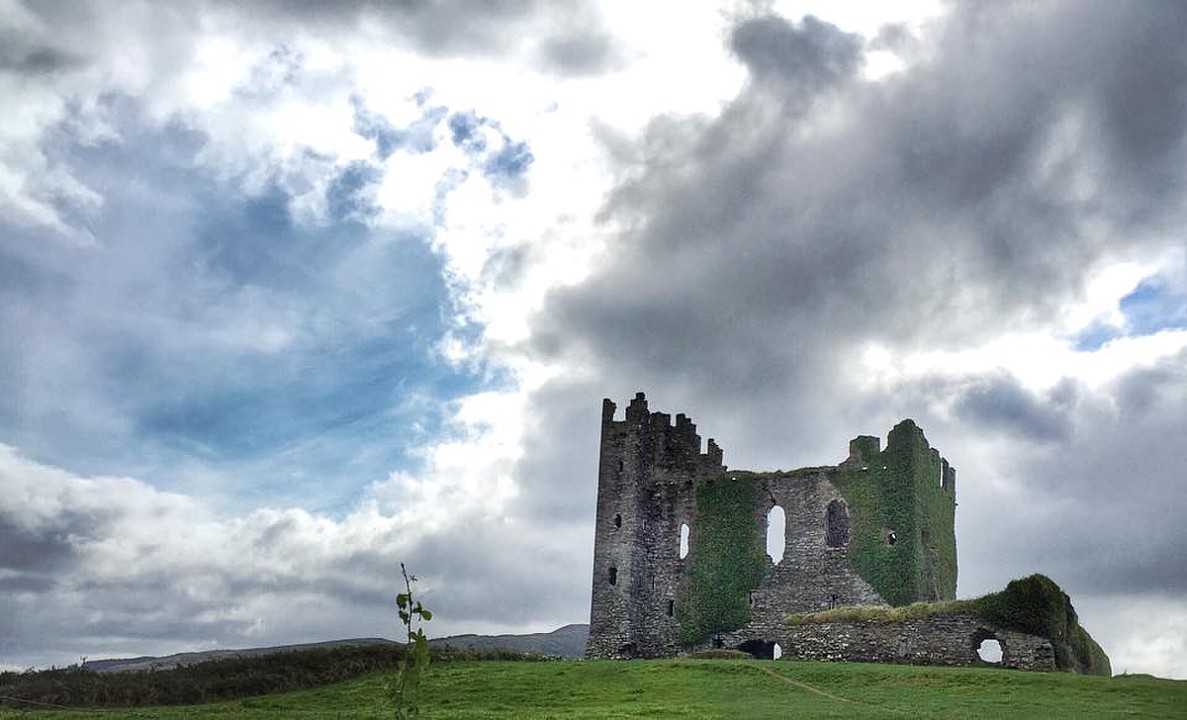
(725, 562)
(898, 492)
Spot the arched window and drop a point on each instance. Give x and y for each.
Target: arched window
(613, 576)
(776, 534)
(684, 538)
(836, 524)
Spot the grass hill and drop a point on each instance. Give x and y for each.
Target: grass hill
(701, 689)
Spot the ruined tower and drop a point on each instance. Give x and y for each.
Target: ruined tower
(647, 471)
(680, 551)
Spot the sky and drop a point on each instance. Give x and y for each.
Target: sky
(294, 292)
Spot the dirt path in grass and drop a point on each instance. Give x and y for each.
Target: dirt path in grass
(804, 685)
(825, 693)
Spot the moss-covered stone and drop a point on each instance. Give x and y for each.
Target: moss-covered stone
(1037, 605)
(903, 542)
(725, 563)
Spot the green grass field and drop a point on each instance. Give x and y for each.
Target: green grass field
(704, 689)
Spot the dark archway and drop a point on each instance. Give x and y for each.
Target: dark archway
(759, 649)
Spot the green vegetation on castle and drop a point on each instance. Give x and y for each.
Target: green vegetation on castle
(898, 490)
(726, 563)
(1038, 606)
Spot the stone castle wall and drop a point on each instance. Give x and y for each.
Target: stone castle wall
(939, 640)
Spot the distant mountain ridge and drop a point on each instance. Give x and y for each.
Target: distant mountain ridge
(566, 642)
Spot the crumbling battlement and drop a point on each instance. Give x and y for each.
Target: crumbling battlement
(670, 445)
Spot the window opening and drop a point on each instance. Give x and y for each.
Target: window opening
(671, 607)
(776, 534)
(750, 597)
(990, 650)
(891, 538)
(837, 524)
(777, 652)
(684, 537)
(618, 520)
(613, 576)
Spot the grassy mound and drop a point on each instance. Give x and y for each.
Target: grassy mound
(1038, 606)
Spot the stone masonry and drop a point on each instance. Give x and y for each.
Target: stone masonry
(949, 639)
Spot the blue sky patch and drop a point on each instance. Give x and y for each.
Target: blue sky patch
(1095, 336)
(1153, 306)
(465, 129)
(348, 197)
(216, 330)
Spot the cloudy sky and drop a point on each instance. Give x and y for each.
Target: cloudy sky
(289, 295)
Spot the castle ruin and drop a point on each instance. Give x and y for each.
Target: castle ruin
(681, 561)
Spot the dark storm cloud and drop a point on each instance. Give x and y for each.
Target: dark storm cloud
(580, 53)
(567, 35)
(964, 198)
(1000, 402)
(805, 58)
(1102, 508)
(16, 57)
(560, 37)
(819, 212)
(23, 549)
